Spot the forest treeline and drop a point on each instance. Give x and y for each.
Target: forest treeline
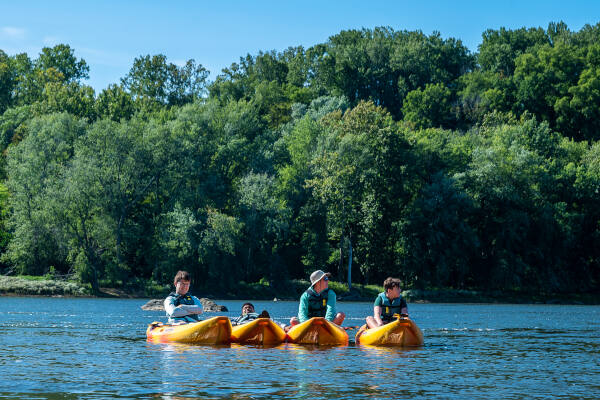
(407, 152)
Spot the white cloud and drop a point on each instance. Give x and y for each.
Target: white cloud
(12, 32)
(50, 41)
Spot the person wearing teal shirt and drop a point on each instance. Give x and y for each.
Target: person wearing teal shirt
(318, 301)
(389, 304)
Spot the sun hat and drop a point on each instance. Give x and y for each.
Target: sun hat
(317, 276)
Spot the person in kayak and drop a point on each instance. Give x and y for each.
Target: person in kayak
(318, 301)
(388, 304)
(181, 306)
(248, 314)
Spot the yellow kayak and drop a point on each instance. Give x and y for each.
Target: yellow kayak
(216, 330)
(402, 332)
(318, 331)
(261, 331)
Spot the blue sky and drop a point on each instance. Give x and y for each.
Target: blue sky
(110, 34)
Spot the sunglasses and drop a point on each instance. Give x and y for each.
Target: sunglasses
(326, 279)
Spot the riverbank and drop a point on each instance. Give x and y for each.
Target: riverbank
(291, 290)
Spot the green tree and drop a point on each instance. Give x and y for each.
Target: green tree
(62, 58)
(579, 115)
(114, 103)
(33, 167)
(382, 65)
(429, 107)
(152, 81)
(78, 100)
(360, 175)
(218, 247)
(7, 81)
(500, 48)
(56, 64)
(265, 219)
(439, 244)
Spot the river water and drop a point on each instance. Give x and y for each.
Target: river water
(67, 348)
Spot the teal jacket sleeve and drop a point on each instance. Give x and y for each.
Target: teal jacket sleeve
(330, 315)
(303, 308)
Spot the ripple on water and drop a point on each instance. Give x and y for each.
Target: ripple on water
(469, 352)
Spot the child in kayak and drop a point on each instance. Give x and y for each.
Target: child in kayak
(318, 301)
(248, 314)
(388, 304)
(181, 306)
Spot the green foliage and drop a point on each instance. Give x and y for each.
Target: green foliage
(73, 98)
(154, 82)
(439, 242)
(360, 175)
(34, 166)
(445, 168)
(218, 244)
(23, 285)
(8, 78)
(500, 48)
(428, 108)
(114, 103)
(382, 65)
(62, 58)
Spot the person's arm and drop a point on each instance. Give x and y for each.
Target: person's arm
(403, 307)
(331, 298)
(377, 315)
(193, 309)
(181, 310)
(377, 311)
(171, 310)
(303, 308)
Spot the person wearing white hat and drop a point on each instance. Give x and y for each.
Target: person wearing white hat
(318, 301)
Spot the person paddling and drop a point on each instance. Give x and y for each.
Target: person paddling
(318, 301)
(248, 314)
(388, 304)
(181, 306)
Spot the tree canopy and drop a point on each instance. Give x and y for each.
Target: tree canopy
(404, 153)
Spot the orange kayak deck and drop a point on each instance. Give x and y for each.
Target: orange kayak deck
(216, 330)
(403, 333)
(318, 331)
(261, 331)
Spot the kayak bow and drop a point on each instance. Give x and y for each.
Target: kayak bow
(216, 330)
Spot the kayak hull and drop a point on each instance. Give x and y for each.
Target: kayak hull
(216, 330)
(402, 332)
(318, 331)
(261, 331)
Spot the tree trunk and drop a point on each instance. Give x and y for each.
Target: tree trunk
(341, 264)
(349, 264)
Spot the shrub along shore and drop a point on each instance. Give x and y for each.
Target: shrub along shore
(290, 290)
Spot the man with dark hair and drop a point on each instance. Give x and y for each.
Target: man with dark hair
(248, 314)
(181, 306)
(388, 304)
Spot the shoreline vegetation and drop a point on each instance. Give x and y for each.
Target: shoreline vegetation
(51, 287)
(375, 153)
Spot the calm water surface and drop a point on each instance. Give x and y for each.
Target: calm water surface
(96, 348)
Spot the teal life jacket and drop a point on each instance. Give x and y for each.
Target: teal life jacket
(317, 303)
(390, 309)
(186, 300)
(245, 318)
